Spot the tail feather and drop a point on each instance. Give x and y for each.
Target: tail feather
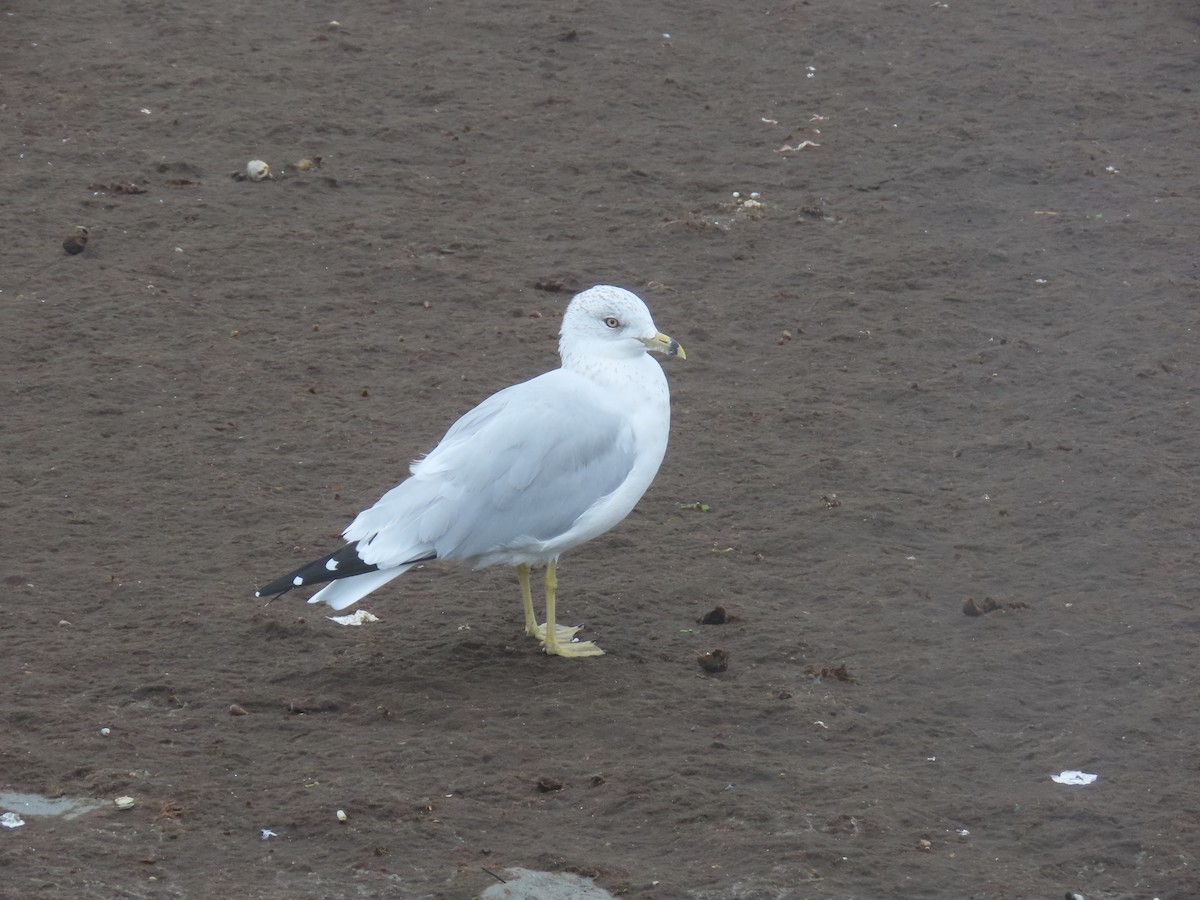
(345, 591)
(344, 563)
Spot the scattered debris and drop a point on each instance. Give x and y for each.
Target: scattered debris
(267, 834)
(549, 785)
(973, 607)
(754, 201)
(360, 617)
(803, 145)
(840, 673)
(168, 810)
(308, 164)
(341, 816)
(1073, 776)
(11, 820)
(236, 709)
(698, 507)
(925, 845)
(117, 187)
(124, 802)
(715, 662)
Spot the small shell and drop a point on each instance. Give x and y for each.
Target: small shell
(341, 816)
(257, 170)
(124, 802)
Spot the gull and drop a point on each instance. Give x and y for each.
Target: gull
(531, 472)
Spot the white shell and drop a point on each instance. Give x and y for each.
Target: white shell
(341, 815)
(124, 802)
(257, 170)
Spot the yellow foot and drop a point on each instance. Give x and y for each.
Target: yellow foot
(562, 632)
(571, 649)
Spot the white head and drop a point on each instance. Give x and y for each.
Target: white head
(610, 321)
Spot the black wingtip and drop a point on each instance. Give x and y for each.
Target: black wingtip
(344, 563)
(276, 588)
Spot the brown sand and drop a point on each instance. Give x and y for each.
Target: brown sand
(953, 357)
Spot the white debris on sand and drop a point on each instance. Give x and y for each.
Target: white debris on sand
(359, 617)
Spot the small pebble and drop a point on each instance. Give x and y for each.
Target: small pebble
(124, 802)
(714, 662)
(105, 732)
(76, 241)
(341, 816)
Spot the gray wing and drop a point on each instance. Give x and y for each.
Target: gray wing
(518, 469)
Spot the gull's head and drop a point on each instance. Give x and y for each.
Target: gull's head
(611, 321)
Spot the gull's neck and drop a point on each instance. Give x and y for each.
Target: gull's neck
(605, 363)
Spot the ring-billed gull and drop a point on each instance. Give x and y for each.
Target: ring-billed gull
(532, 471)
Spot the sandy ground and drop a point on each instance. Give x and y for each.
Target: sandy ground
(951, 359)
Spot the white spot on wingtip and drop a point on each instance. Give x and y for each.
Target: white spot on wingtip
(298, 581)
(331, 565)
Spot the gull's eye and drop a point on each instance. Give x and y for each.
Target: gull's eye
(612, 321)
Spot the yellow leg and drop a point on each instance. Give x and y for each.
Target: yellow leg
(553, 635)
(531, 625)
(532, 628)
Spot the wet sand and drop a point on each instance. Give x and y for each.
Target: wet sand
(949, 364)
